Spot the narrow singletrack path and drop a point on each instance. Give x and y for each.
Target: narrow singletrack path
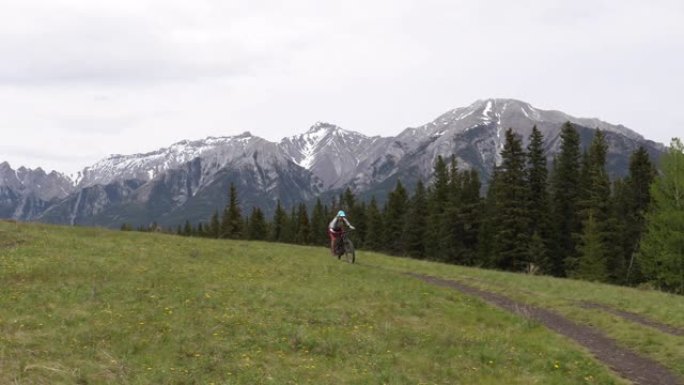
(626, 363)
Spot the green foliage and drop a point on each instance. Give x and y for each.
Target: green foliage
(598, 232)
(592, 261)
(319, 224)
(258, 228)
(438, 198)
(303, 235)
(631, 209)
(565, 195)
(374, 227)
(662, 247)
(511, 217)
(280, 224)
(539, 206)
(232, 222)
(394, 218)
(215, 226)
(416, 223)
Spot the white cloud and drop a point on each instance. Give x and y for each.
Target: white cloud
(85, 78)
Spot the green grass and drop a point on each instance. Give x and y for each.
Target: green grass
(91, 306)
(565, 296)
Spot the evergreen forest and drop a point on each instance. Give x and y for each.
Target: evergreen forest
(565, 219)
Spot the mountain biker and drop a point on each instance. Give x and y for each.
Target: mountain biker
(336, 229)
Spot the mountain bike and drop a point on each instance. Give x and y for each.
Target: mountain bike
(345, 247)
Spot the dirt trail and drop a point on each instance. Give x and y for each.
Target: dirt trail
(669, 329)
(631, 366)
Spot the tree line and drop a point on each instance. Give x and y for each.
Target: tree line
(567, 221)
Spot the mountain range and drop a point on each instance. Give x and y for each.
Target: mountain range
(190, 179)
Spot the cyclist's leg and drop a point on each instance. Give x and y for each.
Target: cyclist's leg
(332, 242)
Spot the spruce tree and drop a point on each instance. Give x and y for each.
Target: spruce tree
(374, 227)
(187, 229)
(636, 201)
(258, 229)
(470, 217)
(416, 223)
(303, 235)
(438, 198)
(511, 238)
(592, 264)
(596, 203)
(539, 209)
(280, 224)
(291, 230)
(215, 226)
(451, 235)
(488, 226)
(319, 224)
(232, 221)
(394, 218)
(662, 248)
(565, 193)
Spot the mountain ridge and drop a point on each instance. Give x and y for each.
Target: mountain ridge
(325, 158)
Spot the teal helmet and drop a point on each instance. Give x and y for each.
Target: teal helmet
(341, 213)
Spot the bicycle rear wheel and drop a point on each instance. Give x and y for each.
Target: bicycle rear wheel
(349, 253)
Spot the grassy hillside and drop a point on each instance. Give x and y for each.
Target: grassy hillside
(90, 306)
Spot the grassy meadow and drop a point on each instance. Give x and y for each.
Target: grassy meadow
(92, 306)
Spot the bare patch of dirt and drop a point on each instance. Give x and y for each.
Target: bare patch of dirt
(638, 318)
(626, 363)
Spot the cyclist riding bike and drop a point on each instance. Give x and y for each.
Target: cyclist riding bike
(336, 228)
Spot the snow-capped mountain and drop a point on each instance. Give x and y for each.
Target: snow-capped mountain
(146, 166)
(331, 153)
(475, 136)
(190, 179)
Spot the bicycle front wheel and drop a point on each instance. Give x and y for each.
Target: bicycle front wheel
(349, 253)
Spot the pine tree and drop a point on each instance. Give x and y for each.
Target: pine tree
(635, 204)
(416, 223)
(280, 224)
(662, 248)
(511, 219)
(438, 198)
(319, 224)
(215, 226)
(395, 215)
(187, 229)
(565, 193)
(592, 264)
(595, 202)
(232, 222)
(470, 217)
(292, 228)
(374, 227)
(303, 235)
(539, 209)
(258, 229)
(451, 235)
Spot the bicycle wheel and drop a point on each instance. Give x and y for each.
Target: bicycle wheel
(349, 253)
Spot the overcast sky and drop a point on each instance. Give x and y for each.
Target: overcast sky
(82, 79)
